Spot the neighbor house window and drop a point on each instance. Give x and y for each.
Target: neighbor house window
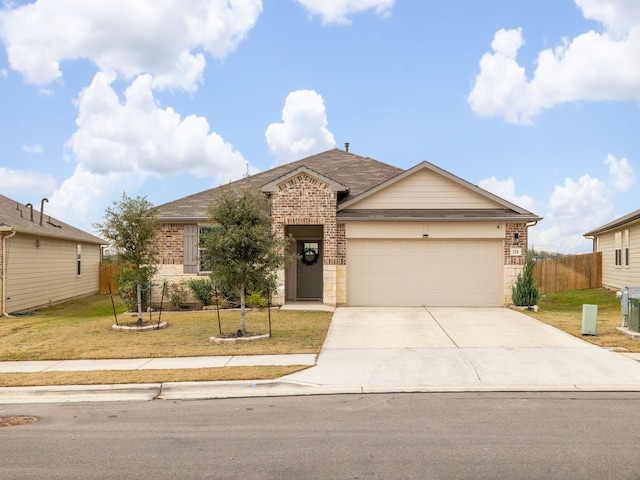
(618, 248)
(78, 259)
(625, 247)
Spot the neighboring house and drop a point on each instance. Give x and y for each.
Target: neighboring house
(372, 234)
(43, 260)
(619, 242)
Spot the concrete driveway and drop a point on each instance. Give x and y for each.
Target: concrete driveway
(461, 348)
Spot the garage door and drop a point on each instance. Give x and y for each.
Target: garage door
(425, 272)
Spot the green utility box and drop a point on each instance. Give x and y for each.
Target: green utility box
(633, 320)
(589, 319)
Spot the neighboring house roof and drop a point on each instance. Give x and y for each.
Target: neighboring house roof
(356, 173)
(355, 178)
(618, 222)
(28, 220)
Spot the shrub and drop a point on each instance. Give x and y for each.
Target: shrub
(525, 293)
(178, 294)
(256, 300)
(202, 289)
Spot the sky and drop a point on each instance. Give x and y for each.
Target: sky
(536, 101)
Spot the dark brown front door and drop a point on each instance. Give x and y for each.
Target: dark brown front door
(309, 271)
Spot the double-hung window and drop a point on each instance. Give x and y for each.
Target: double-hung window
(625, 247)
(78, 259)
(203, 265)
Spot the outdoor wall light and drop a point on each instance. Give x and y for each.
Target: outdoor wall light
(516, 237)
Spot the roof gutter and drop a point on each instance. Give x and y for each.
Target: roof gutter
(434, 219)
(4, 268)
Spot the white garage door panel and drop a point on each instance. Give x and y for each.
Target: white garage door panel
(425, 272)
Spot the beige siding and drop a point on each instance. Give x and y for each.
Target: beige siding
(424, 189)
(431, 230)
(620, 276)
(425, 272)
(42, 271)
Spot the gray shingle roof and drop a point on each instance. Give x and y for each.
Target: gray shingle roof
(436, 215)
(360, 175)
(618, 222)
(357, 173)
(13, 213)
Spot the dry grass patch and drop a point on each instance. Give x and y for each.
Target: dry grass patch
(147, 376)
(563, 310)
(82, 330)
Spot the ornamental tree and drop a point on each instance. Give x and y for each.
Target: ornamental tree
(242, 250)
(525, 293)
(131, 226)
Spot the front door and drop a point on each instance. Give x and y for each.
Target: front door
(309, 269)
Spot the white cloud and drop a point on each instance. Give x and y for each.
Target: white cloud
(32, 148)
(621, 173)
(338, 11)
(575, 207)
(592, 66)
(120, 144)
(139, 136)
(129, 37)
(23, 181)
(617, 15)
(82, 198)
(303, 130)
(507, 189)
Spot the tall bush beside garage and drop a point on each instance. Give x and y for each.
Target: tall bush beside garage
(525, 293)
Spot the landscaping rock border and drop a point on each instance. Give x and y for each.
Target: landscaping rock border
(135, 328)
(255, 338)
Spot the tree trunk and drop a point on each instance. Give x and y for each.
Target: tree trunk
(139, 292)
(243, 314)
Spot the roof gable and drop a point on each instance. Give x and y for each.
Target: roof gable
(25, 219)
(428, 187)
(333, 185)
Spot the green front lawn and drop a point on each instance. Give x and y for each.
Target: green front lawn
(563, 310)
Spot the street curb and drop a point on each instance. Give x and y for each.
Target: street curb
(80, 393)
(258, 388)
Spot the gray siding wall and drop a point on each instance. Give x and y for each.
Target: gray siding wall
(42, 271)
(614, 276)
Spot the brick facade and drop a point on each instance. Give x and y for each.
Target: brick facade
(170, 242)
(510, 241)
(1, 274)
(304, 200)
(514, 264)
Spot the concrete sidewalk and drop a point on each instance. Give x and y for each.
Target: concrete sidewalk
(369, 350)
(156, 363)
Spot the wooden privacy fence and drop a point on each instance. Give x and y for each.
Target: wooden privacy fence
(572, 272)
(108, 271)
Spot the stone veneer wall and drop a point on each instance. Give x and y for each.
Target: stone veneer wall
(304, 200)
(513, 264)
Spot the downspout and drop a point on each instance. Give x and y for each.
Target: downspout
(4, 271)
(530, 224)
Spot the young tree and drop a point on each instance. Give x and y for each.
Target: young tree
(131, 225)
(241, 249)
(525, 293)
